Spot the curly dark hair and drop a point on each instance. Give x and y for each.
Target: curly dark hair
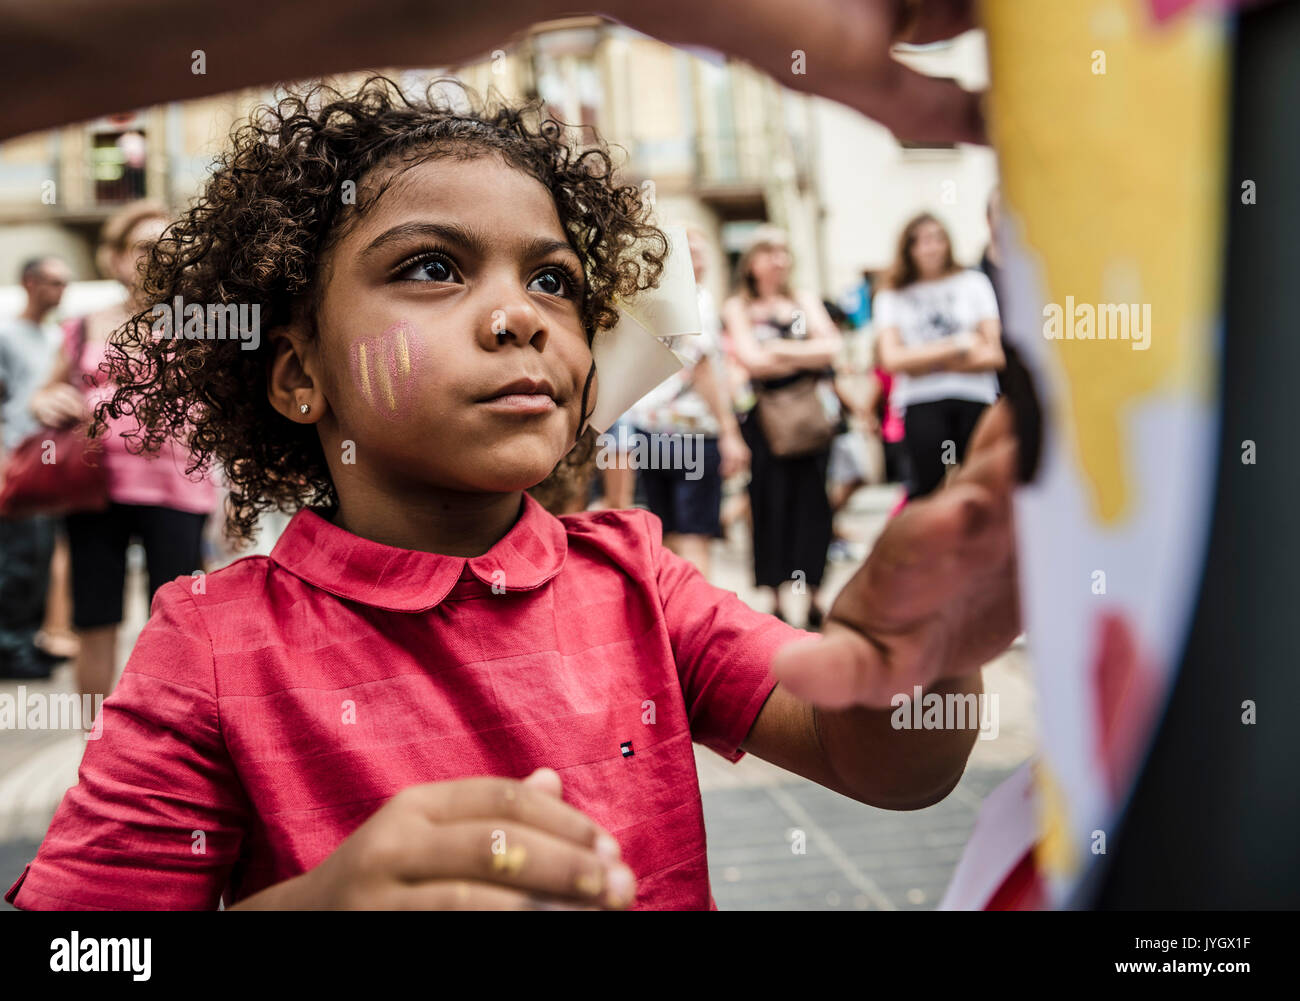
(258, 233)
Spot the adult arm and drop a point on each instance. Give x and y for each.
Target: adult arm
(943, 355)
(731, 446)
(985, 353)
(58, 403)
(248, 43)
(759, 360)
(783, 357)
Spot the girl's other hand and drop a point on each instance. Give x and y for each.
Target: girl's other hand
(470, 844)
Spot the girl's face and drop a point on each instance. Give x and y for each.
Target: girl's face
(450, 349)
(930, 249)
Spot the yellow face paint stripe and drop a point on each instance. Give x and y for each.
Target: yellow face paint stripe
(364, 372)
(403, 354)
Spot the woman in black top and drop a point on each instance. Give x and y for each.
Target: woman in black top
(780, 336)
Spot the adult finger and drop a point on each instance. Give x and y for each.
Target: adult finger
(848, 60)
(929, 21)
(918, 107)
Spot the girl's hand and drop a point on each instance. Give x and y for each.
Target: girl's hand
(472, 844)
(937, 597)
(59, 405)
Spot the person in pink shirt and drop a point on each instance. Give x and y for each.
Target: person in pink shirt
(883, 418)
(433, 693)
(152, 497)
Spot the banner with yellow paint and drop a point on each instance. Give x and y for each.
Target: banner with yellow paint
(1109, 118)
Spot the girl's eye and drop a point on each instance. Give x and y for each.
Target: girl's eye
(553, 282)
(430, 269)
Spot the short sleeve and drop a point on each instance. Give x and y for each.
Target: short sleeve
(983, 299)
(157, 817)
(723, 650)
(884, 309)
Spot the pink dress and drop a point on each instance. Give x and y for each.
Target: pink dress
(138, 479)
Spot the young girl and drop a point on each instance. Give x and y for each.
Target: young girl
(433, 693)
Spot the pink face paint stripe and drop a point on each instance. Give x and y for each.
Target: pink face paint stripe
(384, 375)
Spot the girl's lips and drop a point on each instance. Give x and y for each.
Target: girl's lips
(521, 403)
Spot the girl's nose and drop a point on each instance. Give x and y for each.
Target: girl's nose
(517, 323)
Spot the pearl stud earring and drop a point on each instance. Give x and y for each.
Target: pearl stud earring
(304, 408)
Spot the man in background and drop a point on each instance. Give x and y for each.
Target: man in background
(29, 345)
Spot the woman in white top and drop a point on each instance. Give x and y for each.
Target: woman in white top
(940, 336)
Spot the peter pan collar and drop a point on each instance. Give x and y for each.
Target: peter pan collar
(406, 580)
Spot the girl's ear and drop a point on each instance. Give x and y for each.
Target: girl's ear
(292, 383)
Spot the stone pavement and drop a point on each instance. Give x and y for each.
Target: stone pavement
(854, 856)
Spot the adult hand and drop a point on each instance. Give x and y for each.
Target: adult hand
(59, 405)
(733, 452)
(846, 47)
(937, 597)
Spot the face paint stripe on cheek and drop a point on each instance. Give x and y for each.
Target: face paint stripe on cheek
(403, 354)
(382, 366)
(363, 372)
(385, 378)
